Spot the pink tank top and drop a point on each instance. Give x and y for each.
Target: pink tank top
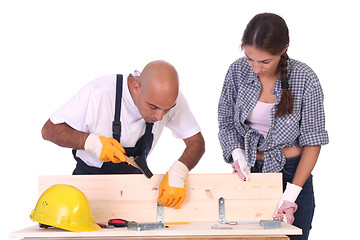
(259, 118)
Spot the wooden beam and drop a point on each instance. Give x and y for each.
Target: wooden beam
(133, 197)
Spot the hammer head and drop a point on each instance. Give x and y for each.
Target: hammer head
(142, 165)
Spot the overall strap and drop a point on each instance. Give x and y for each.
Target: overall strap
(116, 127)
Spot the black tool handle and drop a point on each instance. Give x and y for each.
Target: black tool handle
(118, 222)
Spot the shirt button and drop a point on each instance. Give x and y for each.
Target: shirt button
(288, 121)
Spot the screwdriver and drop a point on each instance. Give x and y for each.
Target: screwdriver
(118, 222)
(105, 226)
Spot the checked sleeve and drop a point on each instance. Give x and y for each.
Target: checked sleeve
(228, 136)
(312, 125)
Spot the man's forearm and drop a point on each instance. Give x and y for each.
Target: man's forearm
(63, 135)
(195, 148)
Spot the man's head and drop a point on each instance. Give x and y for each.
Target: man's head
(155, 91)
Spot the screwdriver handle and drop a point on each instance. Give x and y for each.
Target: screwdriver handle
(118, 222)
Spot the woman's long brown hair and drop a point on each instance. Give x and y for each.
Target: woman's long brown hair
(269, 32)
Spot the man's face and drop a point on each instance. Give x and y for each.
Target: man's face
(153, 103)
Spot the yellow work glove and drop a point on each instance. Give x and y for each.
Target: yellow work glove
(172, 191)
(107, 149)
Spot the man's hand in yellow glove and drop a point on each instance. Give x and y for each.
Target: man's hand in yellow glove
(172, 188)
(107, 149)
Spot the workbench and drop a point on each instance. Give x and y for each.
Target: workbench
(133, 197)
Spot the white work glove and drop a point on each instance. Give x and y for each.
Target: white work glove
(287, 206)
(172, 191)
(177, 173)
(240, 165)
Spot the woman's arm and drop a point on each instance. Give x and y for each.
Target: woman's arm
(306, 164)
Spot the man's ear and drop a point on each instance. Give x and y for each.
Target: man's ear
(136, 87)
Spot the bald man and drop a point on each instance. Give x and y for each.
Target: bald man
(148, 102)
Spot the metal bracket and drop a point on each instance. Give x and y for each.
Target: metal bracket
(266, 224)
(222, 210)
(215, 226)
(160, 213)
(151, 225)
(145, 226)
(270, 224)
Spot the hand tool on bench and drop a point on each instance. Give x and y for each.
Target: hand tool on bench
(118, 222)
(145, 226)
(175, 223)
(105, 226)
(132, 225)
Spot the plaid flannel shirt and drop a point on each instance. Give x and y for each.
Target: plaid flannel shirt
(304, 127)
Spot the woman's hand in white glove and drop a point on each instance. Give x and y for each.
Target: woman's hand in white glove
(287, 206)
(240, 165)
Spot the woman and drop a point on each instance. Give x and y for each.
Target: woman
(271, 117)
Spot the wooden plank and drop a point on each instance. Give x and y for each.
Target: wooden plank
(214, 238)
(192, 230)
(133, 197)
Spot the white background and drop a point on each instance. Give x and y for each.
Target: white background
(50, 49)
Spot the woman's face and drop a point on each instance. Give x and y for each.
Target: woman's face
(264, 64)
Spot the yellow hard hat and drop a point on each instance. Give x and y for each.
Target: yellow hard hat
(64, 206)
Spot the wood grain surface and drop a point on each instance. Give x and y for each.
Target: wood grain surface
(133, 197)
(192, 230)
